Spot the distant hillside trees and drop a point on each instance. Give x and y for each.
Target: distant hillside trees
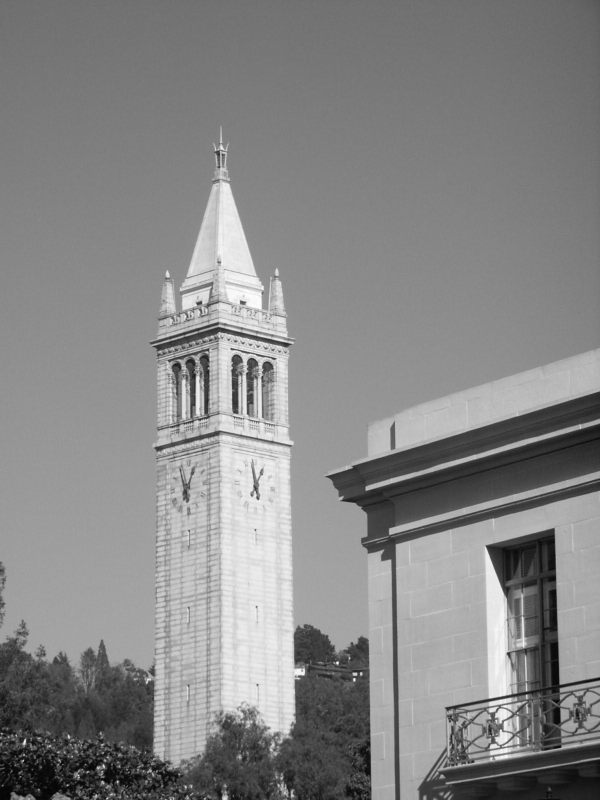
(311, 646)
(37, 694)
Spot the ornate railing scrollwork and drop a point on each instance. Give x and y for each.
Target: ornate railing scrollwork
(552, 717)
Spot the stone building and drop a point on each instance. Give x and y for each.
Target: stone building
(224, 619)
(483, 542)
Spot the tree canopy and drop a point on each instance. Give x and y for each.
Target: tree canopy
(2, 585)
(312, 645)
(239, 760)
(324, 756)
(41, 695)
(356, 654)
(41, 765)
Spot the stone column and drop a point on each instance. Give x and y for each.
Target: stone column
(257, 378)
(199, 410)
(242, 388)
(185, 393)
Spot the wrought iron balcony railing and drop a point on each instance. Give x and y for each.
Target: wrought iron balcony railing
(547, 718)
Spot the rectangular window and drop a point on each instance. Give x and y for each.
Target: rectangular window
(530, 587)
(530, 584)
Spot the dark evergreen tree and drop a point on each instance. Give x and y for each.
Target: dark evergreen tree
(356, 655)
(2, 585)
(311, 645)
(103, 673)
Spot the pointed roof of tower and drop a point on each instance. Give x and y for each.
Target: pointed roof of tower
(221, 232)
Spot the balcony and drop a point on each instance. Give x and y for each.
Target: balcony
(200, 426)
(548, 734)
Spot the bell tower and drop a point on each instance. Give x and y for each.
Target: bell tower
(224, 618)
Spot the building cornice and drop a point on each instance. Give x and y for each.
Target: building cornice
(512, 439)
(219, 330)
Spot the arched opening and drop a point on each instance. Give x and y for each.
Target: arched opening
(190, 395)
(176, 394)
(237, 377)
(268, 391)
(252, 388)
(204, 388)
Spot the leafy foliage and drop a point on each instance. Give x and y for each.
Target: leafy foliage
(239, 759)
(2, 585)
(326, 755)
(356, 655)
(311, 645)
(41, 765)
(36, 694)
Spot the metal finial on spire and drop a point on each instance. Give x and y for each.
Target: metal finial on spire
(221, 172)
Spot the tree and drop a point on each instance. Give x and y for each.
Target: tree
(357, 654)
(358, 785)
(239, 760)
(311, 645)
(41, 765)
(320, 760)
(2, 585)
(103, 673)
(87, 669)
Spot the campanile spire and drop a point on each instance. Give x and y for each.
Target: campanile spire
(221, 236)
(221, 173)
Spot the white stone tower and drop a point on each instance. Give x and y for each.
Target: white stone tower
(224, 623)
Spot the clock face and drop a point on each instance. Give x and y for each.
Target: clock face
(187, 486)
(254, 487)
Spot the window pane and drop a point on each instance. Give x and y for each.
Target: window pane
(528, 560)
(548, 556)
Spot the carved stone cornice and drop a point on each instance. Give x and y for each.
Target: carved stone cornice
(241, 342)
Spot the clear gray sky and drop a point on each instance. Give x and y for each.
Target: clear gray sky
(424, 174)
